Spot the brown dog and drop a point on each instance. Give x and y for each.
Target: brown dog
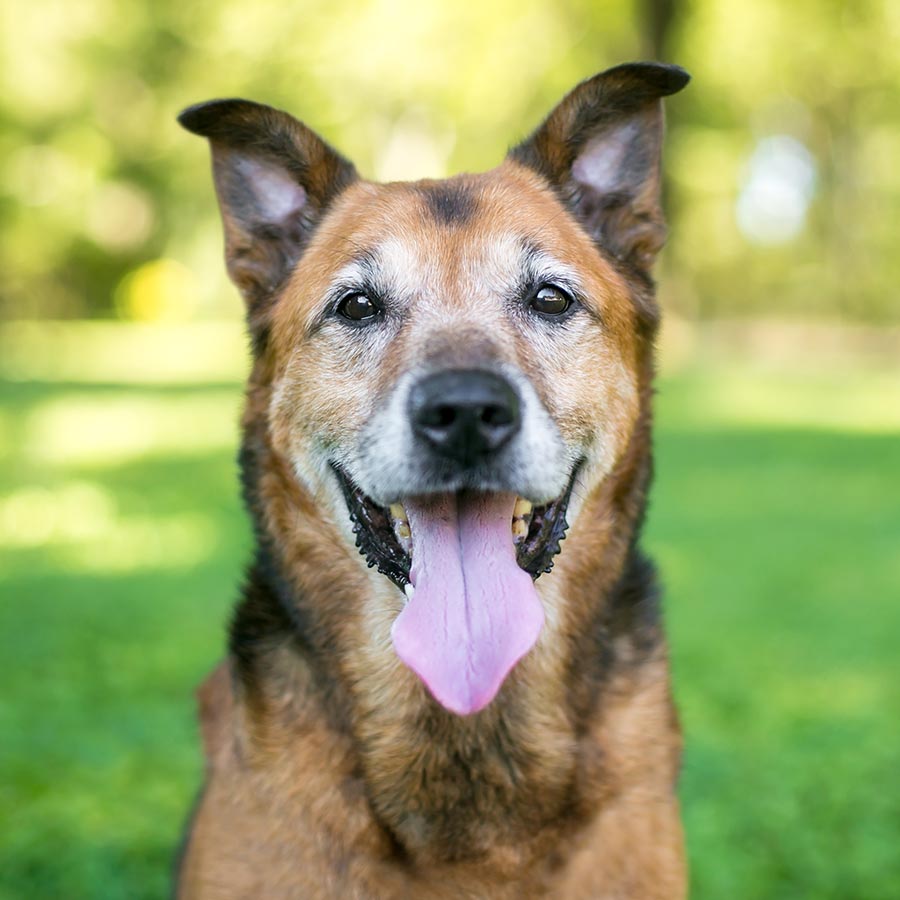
(447, 376)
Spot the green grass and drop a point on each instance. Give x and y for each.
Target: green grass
(121, 546)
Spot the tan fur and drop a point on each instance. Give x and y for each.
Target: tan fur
(358, 786)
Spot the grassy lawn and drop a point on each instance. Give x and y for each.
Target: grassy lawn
(775, 518)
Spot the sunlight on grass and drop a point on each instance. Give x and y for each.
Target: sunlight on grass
(35, 516)
(866, 402)
(79, 527)
(90, 431)
(131, 544)
(97, 352)
(855, 695)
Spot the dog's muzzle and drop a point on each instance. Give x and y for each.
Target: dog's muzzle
(458, 531)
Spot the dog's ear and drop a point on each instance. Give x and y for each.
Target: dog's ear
(600, 149)
(274, 178)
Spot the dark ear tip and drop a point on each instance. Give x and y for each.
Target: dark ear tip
(674, 79)
(207, 119)
(663, 78)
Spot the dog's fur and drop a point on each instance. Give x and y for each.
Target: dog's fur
(332, 773)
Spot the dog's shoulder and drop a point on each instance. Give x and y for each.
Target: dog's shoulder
(215, 711)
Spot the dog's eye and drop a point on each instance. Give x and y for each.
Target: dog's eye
(550, 300)
(357, 307)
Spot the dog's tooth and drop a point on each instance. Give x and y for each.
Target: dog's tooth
(519, 528)
(409, 590)
(403, 531)
(398, 512)
(523, 508)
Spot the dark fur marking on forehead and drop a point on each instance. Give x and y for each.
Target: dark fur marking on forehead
(450, 202)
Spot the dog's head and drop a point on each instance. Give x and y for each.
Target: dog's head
(447, 359)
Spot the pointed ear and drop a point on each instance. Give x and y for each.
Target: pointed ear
(600, 149)
(274, 178)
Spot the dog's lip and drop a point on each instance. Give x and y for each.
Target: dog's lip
(378, 542)
(373, 527)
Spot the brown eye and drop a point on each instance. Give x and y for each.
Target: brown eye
(357, 308)
(550, 301)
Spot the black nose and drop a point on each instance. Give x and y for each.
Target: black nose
(464, 415)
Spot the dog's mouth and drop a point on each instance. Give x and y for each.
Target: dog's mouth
(384, 536)
(467, 562)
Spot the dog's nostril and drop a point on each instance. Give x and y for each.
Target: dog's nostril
(438, 416)
(496, 415)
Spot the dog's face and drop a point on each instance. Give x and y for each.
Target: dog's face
(449, 358)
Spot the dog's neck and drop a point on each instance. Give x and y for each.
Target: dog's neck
(314, 627)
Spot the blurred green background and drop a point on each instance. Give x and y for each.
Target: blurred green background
(775, 515)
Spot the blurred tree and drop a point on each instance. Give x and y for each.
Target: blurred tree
(657, 17)
(100, 192)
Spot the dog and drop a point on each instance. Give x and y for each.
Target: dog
(446, 676)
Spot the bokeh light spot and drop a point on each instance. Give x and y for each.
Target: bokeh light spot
(163, 290)
(775, 198)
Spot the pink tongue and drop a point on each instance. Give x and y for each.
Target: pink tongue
(474, 613)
